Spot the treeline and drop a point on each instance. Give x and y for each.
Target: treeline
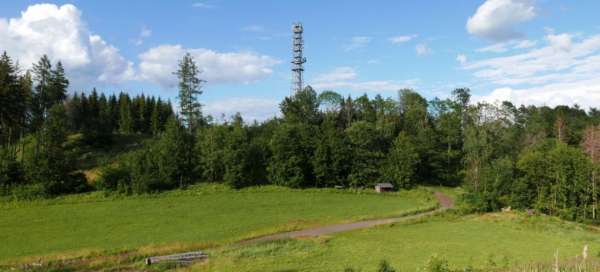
(321, 140)
(538, 158)
(98, 116)
(37, 116)
(526, 157)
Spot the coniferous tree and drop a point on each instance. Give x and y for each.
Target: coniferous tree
(125, 114)
(42, 73)
(189, 90)
(58, 85)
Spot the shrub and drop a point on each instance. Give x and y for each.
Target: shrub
(436, 264)
(384, 266)
(114, 178)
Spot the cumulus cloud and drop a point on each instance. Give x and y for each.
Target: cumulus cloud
(565, 70)
(345, 78)
(250, 108)
(357, 42)
(60, 33)
(158, 63)
(402, 39)
(496, 19)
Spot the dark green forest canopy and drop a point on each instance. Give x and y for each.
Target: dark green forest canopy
(529, 157)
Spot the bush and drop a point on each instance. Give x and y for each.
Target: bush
(114, 178)
(384, 266)
(436, 264)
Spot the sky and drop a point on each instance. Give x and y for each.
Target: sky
(542, 52)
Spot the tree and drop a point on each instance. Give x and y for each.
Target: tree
(175, 157)
(332, 159)
(52, 167)
(210, 149)
(292, 151)
(236, 155)
(12, 101)
(367, 154)
(125, 114)
(302, 107)
(189, 90)
(591, 146)
(401, 162)
(42, 73)
(58, 84)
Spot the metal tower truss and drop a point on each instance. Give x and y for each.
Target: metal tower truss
(298, 58)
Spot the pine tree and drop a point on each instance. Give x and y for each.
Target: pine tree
(189, 90)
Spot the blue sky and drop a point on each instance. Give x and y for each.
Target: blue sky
(526, 51)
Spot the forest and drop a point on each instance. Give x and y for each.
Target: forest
(541, 158)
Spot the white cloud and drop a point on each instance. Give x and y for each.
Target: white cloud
(250, 108)
(338, 74)
(585, 93)
(158, 63)
(60, 33)
(422, 49)
(202, 5)
(402, 39)
(525, 44)
(253, 28)
(565, 70)
(461, 58)
(144, 33)
(561, 59)
(502, 47)
(357, 42)
(496, 19)
(345, 78)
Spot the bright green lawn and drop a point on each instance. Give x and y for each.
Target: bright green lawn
(200, 215)
(476, 240)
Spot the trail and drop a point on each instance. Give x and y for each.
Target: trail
(445, 203)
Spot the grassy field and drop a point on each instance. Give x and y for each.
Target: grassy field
(493, 241)
(82, 224)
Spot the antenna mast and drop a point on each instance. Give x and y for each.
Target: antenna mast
(298, 58)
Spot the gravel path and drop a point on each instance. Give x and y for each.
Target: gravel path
(445, 203)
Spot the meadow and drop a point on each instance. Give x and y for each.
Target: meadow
(203, 216)
(490, 242)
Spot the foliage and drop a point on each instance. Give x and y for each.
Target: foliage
(189, 90)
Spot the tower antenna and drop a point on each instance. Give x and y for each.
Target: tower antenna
(298, 58)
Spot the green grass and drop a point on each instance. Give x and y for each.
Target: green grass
(81, 224)
(486, 242)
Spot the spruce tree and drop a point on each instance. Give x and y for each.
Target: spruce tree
(125, 119)
(189, 90)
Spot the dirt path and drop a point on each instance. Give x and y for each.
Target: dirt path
(445, 203)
